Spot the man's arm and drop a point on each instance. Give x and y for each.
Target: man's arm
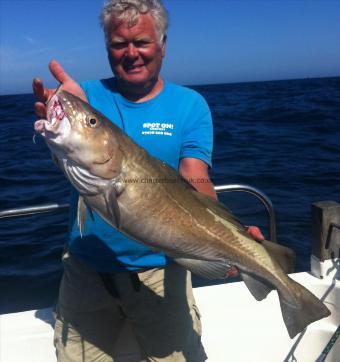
(195, 172)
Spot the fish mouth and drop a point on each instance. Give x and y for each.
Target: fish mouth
(55, 115)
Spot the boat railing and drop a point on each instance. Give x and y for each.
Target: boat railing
(263, 198)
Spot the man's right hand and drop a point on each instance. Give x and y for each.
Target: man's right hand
(44, 94)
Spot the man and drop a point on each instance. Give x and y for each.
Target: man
(109, 278)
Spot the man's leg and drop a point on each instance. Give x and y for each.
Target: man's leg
(163, 314)
(88, 318)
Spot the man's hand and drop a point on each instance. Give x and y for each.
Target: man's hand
(255, 233)
(44, 94)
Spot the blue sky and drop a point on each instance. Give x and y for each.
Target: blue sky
(209, 41)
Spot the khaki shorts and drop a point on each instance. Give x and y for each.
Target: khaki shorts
(157, 304)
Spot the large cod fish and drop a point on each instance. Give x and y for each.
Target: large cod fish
(168, 215)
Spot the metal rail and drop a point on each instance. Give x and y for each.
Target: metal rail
(265, 200)
(33, 210)
(40, 209)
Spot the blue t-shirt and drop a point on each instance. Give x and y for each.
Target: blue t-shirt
(173, 125)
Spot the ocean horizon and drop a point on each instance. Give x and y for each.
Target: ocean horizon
(214, 84)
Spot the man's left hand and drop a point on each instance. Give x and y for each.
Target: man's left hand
(255, 233)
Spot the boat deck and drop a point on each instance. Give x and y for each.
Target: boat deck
(235, 328)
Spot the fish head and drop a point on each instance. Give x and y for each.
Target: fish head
(76, 132)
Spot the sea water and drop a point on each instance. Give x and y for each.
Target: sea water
(282, 137)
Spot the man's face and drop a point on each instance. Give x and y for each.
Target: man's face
(135, 53)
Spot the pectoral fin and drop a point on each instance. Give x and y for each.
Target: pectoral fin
(205, 268)
(81, 214)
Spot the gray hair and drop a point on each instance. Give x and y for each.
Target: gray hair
(129, 12)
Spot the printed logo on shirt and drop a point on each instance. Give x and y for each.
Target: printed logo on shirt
(157, 128)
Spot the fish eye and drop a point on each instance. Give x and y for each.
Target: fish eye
(92, 122)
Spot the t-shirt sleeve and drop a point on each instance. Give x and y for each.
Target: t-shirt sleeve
(85, 85)
(197, 136)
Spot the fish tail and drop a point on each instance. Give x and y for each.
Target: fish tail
(305, 309)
